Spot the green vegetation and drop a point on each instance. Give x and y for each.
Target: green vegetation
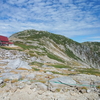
(26, 47)
(40, 53)
(52, 56)
(70, 54)
(22, 45)
(4, 84)
(37, 64)
(8, 48)
(90, 71)
(36, 69)
(98, 87)
(61, 66)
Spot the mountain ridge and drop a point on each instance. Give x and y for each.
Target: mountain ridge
(48, 45)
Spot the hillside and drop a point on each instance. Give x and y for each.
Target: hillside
(56, 49)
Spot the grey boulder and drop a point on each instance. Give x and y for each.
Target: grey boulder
(63, 80)
(11, 76)
(18, 63)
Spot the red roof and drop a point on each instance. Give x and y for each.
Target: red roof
(3, 38)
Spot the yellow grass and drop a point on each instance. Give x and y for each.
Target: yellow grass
(14, 72)
(5, 80)
(41, 70)
(13, 81)
(22, 69)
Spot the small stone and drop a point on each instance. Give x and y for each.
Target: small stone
(40, 92)
(50, 73)
(72, 93)
(41, 86)
(21, 86)
(14, 89)
(53, 89)
(29, 83)
(88, 90)
(7, 89)
(83, 91)
(34, 89)
(32, 86)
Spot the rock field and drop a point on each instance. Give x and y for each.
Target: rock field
(21, 81)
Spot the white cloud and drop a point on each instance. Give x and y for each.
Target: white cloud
(95, 37)
(16, 1)
(65, 1)
(57, 16)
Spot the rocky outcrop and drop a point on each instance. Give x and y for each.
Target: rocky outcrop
(11, 76)
(63, 80)
(18, 63)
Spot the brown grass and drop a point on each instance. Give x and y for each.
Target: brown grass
(22, 69)
(6, 80)
(13, 81)
(41, 70)
(14, 72)
(0, 67)
(84, 88)
(98, 87)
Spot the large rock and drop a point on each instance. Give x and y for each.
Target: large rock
(63, 80)
(39, 85)
(11, 76)
(18, 63)
(49, 73)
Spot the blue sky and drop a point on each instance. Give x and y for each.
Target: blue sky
(75, 19)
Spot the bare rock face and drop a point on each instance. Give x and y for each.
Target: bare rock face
(63, 80)
(30, 76)
(61, 84)
(18, 63)
(11, 76)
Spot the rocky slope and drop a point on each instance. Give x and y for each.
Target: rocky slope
(38, 81)
(53, 48)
